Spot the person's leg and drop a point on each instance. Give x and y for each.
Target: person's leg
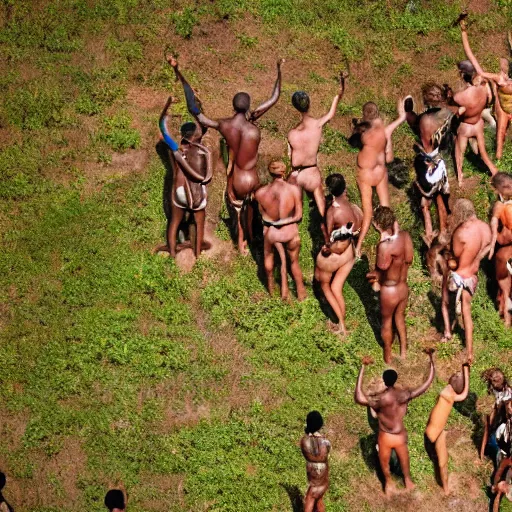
(249, 219)
(384, 457)
(388, 304)
(461, 143)
(309, 501)
(172, 230)
(441, 203)
(468, 323)
(382, 190)
(445, 304)
(199, 217)
(442, 458)
(285, 293)
(504, 282)
(337, 289)
(293, 248)
(268, 262)
(319, 196)
(402, 452)
(320, 505)
(427, 219)
(483, 152)
(501, 130)
(400, 324)
(366, 201)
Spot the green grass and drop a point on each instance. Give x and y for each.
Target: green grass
(192, 389)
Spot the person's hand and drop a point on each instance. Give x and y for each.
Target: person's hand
(367, 360)
(461, 21)
(466, 364)
(172, 61)
(408, 104)
(280, 62)
(401, 106)
(343, 76)
(430, 352)
(372, 276)
(491, 253)
(463, 24)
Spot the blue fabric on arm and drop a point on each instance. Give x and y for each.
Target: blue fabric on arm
(173, 145)
(191, 100)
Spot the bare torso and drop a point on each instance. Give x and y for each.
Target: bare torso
(399, 250)
(391, 407)
(304, 141)
(474, 100)
(371, 160)
(430, 122)
(440, 413)
(315, 449)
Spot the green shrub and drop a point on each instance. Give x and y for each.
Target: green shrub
(184, 22)
(116, 132)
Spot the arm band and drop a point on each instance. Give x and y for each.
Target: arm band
(191, 100)
(173, 145)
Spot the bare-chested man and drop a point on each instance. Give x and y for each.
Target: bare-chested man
(303, 144)
(472, 102)
(337, 257)
(433, 127)
(390, 406)
(192, 169)
(373, 138)
(243, 139)
(281, 210)
(503, 82)
(394, 257)
(456, 391)
(501, 226)
(315, 448)
(470, 242)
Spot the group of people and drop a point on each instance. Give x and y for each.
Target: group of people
(455, 250)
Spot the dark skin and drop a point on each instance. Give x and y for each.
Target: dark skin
(502, 487)
(391, 406)
(192, 162)
(243, 139)
(394, 257)
(281, 209)
(315, 449)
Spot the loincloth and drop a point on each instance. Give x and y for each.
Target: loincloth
(431, 174)
(458, 284)
(236, 203)
(194, 198)
(316, 469)
(505, 102)
(509, 266)
(343, 233)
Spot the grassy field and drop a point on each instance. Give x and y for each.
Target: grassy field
(191, 389)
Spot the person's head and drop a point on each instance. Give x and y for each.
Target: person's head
(384, 219)
(300, 100)
(336, 184)
(370, 111)
(466, 70)
(188, 132)
(241, 102)
(457, 382)
(277, 169)
(314, 422)
(462, 210)
(495, 378)
(433, 94)
(115, 499)
(502, 182)
(389, 377)
(507, 404)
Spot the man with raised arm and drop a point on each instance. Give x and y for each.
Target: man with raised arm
(192, 169)
(303, 144)
(503, 83)
(243, 139)
(456, 391)
(470, 242)
(337, 257)
(394, 257)
(315, 448)
(373, 138)
(501, 227)
(281, 210)
(390, 406)
(472, 102)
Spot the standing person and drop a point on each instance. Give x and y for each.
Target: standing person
(501, 227)
(192, 169)
(456, 391)
(115, 500)
(373, 138)
(390, 406)
(498, 386)
(470, 242)
(336, 259)
(281, 210)
(394, 257)
(243, 140)
(303, 144)
(504, 462)
(315, 448)
(503, 84)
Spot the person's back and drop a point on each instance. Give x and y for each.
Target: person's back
(468, 240)
(400, 250)
(433, 124)
(474, 100)
(374, 146)
(277, 200)
(243, 138)
(391, 407)
(304, 141)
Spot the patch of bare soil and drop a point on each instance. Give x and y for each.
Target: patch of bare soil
(341, 440)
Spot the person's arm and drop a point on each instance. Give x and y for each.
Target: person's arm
(193, 104)
(359, 396)
(505, 463)
(485, 437)
(410, 116)
(494, 230)
(465, 391)
(332, 111)
(264, 107)
(421, 389)
(391, 127)
(384, 256)
(209, 161)
(471, 56)
(297, 217)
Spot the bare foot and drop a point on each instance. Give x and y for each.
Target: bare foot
(301, 295)
(336, 328)
(409, 485)
(243, 248)
(446, 337)
(390, 489)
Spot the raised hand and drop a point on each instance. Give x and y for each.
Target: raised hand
(172, 61)
(367, 360)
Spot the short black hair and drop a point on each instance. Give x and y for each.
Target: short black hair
(114, 499)
(336, 184)
(384, 217)
(241, 102)
(314, 422)
(389, 377)
(300, 100)
(187, 130)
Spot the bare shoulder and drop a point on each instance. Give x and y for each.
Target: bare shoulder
(260, 192)
(497, 208)
(403, 395)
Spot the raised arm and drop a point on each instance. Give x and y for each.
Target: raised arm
(504, 464)
(193, 104)
(410, 116)
(391, 127)
(259, 111)
(332, 112)
(359, 396)
(420, 390)
(465, 391)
